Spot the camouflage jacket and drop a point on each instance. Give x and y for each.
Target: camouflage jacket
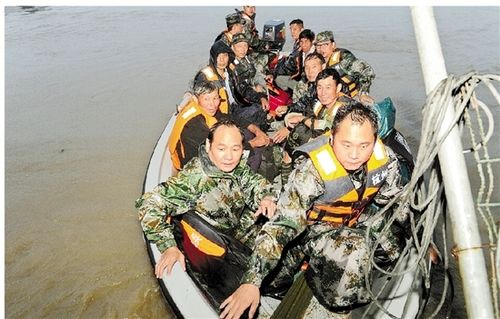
(290, 65)
(245, 73)
(304, 187)
(358, 70)
(304, 98)
(250, 31)
(324, 118)
(225, 200)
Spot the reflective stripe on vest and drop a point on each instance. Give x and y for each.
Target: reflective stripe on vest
(191, 110)
(340, 201)
(212, 77)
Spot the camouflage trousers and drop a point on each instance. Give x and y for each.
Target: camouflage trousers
(339, 258)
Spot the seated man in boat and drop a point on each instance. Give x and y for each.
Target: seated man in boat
(357, 75)
(250, 83)
(328, 202)
(219, 72)
(234, 24)
(317, 120)
(304, 98)
(289, 70)
(194, 121)
(209, 212)
(304, 95)
(296, 26)
(257, 48)
(252, 118)
(312, 117)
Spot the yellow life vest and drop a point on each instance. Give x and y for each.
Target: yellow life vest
(347, 80)
(341, 203)
(191, 110)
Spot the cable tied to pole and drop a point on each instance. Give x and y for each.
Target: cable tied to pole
(423, 203)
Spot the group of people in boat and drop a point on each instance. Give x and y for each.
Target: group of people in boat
(261, 195)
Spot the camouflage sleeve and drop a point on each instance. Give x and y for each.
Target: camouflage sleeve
(299, 91)
(358, 69)
(304, 105)
(364, 74)
(244, 84)
(256, 187)
(390, 240)
(393, 184)
(303, 188)
(174, 197)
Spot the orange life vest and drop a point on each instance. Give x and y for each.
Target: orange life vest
(341, 203)
(348, 82)
(191, 110)
(212, 77)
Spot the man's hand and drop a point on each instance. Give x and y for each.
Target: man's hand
(260, 140)
(264, 103)
(267, 207)
(281, 110)
(280, 135)
(168, 259)
(293, 119)
(247, 295)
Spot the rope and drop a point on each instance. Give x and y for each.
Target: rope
(424, 194)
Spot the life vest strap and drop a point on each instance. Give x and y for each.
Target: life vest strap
(335, 219)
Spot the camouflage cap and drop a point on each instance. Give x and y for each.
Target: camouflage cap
(233, 18)
(324, 36)
(239, 37)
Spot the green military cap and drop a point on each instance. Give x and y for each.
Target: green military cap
(233, 18)
(239, 37)
(324, 36)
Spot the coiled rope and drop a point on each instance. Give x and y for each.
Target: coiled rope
(424, 194)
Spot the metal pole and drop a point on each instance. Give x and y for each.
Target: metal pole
(456, 181)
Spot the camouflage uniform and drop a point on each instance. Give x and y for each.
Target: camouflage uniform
(321, 116)
(344, 61)
(304, 98)
(224, 200)
(247, 77)
(358, 70)
(300, 89)
(338, 253)
(257, 48)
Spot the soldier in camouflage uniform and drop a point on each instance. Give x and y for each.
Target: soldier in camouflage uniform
(234, 24)
(357, 75)
(304, 95)
(316, 119)
(258, 49)
(249, 82)
(217, 187)
(289, 70)
(249, 29)
(326, 200)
